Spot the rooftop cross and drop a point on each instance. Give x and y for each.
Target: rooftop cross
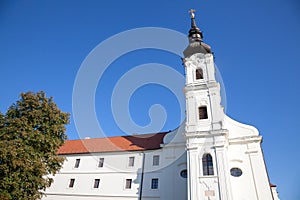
(192, 12)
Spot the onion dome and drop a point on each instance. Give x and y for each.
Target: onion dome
(195, 39)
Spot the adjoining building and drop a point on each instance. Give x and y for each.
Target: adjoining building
(210, 156)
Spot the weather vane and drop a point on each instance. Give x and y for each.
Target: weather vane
(192, 12)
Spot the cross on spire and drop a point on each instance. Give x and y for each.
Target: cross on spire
(192, 12)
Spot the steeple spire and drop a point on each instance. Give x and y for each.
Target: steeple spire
(196, 45)
(194, 32)
(192, 12)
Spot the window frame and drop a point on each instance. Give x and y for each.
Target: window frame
(236, 172)
(183, 173)
(131, 161)
(199, 74)
(101, 162)
(71, 182)
(77, 163)
(128, 183)
(155, 160)
(154, 183)
(96, 183)
(202, 112)
(207, 165)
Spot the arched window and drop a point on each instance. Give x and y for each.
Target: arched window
(199, 74)
(207, 164)
(202, 112)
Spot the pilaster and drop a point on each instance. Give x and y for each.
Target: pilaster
(223, 172)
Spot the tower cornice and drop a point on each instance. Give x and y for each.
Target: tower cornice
(200, 86)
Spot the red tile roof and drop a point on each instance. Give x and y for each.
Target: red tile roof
(119, 143)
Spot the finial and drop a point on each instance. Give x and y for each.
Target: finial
(195, 39)
(192, 12)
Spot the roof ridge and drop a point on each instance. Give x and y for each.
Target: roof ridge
(121, 136)
(117, 143)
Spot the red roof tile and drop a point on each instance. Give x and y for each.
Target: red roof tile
(119, 143)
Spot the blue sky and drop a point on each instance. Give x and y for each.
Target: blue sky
(256, 47)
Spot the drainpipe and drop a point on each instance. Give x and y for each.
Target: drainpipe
(142, 177)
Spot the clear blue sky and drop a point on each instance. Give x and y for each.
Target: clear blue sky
(256, 46)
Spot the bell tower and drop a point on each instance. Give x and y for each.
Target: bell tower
(201, 89)
(206, 139)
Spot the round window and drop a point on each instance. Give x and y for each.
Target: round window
(236, 172)
(183, 173)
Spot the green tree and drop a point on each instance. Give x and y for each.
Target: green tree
(31, 132)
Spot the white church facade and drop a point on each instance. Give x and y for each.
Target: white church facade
(209, 157)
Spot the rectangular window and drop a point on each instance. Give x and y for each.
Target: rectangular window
(131, 162)
(96, 183)
(77, 162)
(203, 112)
(154, 183)
(72, 181)
(128, 183)
(101, 162)
(155, 160)
(199, 73)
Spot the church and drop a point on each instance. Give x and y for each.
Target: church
(208, 157)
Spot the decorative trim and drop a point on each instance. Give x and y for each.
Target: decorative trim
(245, 140)
(205, 134)
(200, 85)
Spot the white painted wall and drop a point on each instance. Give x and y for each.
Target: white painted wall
(244, 152)
(112, 176)
(230, 143)
(116, 170)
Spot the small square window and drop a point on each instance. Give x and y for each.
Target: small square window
(101, 162)
(154, 183)
(155, 160)
(77, 162)
(71, 183)
(131, 162)
(128, 183)
(96, 183)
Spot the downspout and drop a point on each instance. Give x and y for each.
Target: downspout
(142, 177)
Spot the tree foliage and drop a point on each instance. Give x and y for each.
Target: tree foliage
(31, 132)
